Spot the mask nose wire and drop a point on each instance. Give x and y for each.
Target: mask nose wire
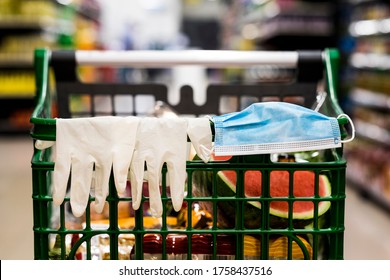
(352, 126)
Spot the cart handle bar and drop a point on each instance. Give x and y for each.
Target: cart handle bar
(207, 58)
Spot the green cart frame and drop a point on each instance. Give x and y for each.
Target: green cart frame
(324, 235)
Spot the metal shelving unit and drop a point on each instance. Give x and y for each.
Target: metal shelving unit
(369, 96)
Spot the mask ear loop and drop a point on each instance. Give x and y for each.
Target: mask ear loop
(352, 126)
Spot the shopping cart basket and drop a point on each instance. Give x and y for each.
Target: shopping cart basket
(203, 229)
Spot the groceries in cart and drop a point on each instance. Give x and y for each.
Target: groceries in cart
(282, 185)
(203, 244)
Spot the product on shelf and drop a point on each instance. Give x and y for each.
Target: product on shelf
(283, 24)
(17, 84)
(26, 25)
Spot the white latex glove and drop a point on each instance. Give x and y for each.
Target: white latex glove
(82, 143)
(159, 140)
(199, 132)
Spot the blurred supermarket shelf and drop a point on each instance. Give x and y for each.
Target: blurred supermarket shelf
(370, 61)
(26, 21)
(370, 98)
(370, 27)
(373, 132)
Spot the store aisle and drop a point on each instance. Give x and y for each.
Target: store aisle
(367, 229)
(366, 234)
(16, 235)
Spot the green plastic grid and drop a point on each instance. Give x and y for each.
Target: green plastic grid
(334, 232)
(44, 129)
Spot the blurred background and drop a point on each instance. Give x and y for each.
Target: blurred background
(358, 28)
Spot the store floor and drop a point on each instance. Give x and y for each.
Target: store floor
(366, 234)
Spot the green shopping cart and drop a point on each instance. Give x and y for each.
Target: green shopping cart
(219, 220)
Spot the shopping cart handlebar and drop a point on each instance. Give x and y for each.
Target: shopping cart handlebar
(169, 58)
(310, 65)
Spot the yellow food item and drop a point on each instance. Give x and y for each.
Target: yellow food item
(278, 248)
(149, 222)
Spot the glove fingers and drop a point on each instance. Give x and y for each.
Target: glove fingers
(60, 178)
(177, 177)
(102, 178)
(81, 184)
(154, 190)
(120, 167)
(200, 134)
(124, 135)
(136, 180)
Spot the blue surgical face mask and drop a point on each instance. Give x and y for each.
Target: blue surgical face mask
(274, 127)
